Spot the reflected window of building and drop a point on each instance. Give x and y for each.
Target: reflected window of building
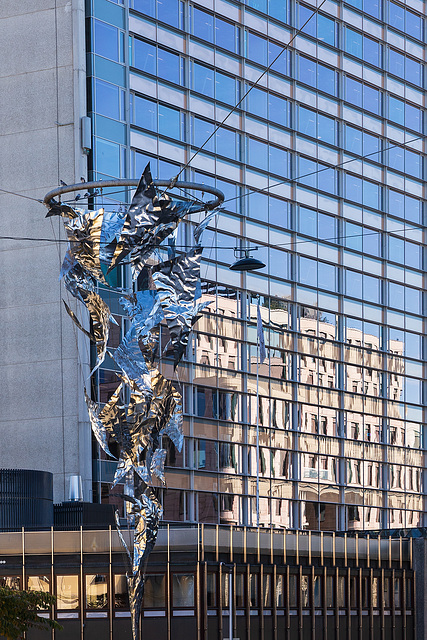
(341, 591)
(266, 591)
(13, 582)
(253, 590)
(280, 601)
(207, 507)
(374, 592)
(121, 595)
(305, 591)
(96, 591)
(317, 591)
(239, 589)
(293, 591)
(38, 583)
(154, 591)
(174, 505)
(330, 592)
(409, 586)
(353, 592)
(387, 592)
(67, 592)
(211, 597)
(183, 590)
(397, 593)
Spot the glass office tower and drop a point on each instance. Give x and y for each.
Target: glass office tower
(322, 170)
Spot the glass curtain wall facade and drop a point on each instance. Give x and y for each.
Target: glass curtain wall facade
(341, 392)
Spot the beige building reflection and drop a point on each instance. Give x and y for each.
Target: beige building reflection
(335, 448)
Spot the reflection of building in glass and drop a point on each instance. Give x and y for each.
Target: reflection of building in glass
(341, 408)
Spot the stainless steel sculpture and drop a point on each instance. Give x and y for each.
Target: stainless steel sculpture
(99, 241)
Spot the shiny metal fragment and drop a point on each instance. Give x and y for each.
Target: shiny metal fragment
(98, 428)
(149, 221)
(129, 357)
(177, 284)
(111, 229)
(202, 226)
(173, 427)
(157, 467)
(78, 281)
(84, 236)
(148, 512)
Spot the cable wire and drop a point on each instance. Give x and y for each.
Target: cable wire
(248, 91)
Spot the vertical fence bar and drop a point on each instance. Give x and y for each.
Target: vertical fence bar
(234, 601)
(284, 546)
(274, 600)
(52, 576)
(333, 548)
(220, 590)
(324, 607)
(203, 542)
(393, 606)
(245, 535)
(321, 547)
(261, 601)
(205, 600)
(371, 605)
(309, 547)
(368, 547)
(217, 543)
(169, 590)
(337, 608)
(403, 603)
(345, 549)
(231, 543)
(248, 602)
(359, 603)
(357, 549)
(287, 603)
(198, 601)
(110, 579)
(271, 546)
(82, 610)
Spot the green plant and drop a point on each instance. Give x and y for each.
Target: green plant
(19, 610)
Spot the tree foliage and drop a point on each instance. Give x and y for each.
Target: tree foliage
(19, 610)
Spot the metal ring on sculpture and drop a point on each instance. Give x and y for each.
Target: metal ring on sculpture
(48, 200)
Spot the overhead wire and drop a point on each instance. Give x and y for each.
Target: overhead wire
(405, 228)
(266, 70)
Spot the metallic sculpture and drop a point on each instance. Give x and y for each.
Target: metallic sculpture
(145, 406)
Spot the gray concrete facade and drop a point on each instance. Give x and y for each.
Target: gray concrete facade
(43, 362)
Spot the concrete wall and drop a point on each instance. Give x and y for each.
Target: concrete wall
(42, 360)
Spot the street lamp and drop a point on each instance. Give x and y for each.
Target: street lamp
(247, 262)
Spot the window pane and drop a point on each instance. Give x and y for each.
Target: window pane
(169, 122)
(203, 80)
(168, 65)
(154, 591)
(183, 590)
(203, 25)
(121, 595)
(168, 11)
(106, 40)
(145, 56)
(96, 591)
(67, 592)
